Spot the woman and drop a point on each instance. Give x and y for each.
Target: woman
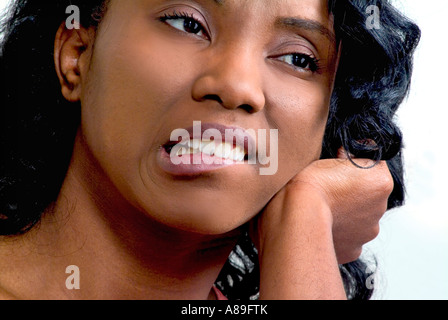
(87, 176)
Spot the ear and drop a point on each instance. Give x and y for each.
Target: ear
(72, 53)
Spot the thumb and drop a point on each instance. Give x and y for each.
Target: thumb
(361, 163)
(344, 154)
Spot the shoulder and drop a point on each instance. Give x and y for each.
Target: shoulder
(12, 267)
(218, 294)
(6, 295)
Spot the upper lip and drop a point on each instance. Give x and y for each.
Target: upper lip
(243, 138)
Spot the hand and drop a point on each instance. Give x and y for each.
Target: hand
(357, 199)
(320, 219)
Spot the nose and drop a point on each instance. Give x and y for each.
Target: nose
(232, 78)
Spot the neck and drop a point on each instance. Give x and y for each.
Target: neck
(121, 253)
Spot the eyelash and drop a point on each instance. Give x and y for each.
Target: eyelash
(312, 63)
(184, 16)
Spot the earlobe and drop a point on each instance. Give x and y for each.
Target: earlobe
(71, 56)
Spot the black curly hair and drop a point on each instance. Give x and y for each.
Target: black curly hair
(38, 125)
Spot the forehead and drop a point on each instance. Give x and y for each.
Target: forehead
(310, 15)
(314, 10)
(317, 9)
(264, 3)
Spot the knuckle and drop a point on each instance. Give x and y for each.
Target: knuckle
(388, 184)
(374, 232)
(384, 181)
(350, 253)
(355, 254)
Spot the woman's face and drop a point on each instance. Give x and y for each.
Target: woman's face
(160, 65)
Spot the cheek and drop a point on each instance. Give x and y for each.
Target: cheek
(130, 90)
(127, 103)
(301, 115)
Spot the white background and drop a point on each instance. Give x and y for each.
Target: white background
(412, 248)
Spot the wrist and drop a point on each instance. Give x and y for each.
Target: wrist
(297, 211)
(306, 205)
(297, 255)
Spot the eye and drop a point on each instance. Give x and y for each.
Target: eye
(185, 23)
(301, 61)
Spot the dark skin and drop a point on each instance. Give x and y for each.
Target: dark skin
(137, 232)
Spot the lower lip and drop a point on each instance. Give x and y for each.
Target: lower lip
(193, 164)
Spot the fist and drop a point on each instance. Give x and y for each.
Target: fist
(357, 198)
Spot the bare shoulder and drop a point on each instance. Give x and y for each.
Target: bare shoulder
(5, 295)
(10, 266)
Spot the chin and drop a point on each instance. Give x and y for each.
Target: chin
(205, 220)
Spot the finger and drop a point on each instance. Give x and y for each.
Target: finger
(360, 163)
(344, 154)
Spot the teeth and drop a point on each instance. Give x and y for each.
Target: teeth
(238, 154)
(209, 147)
(181, 151)
(223, 150)
(196, 144)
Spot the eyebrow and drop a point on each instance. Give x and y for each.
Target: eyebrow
(306, 24)
(300, 23)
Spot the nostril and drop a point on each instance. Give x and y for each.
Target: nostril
(247, 108)
(213, 97)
